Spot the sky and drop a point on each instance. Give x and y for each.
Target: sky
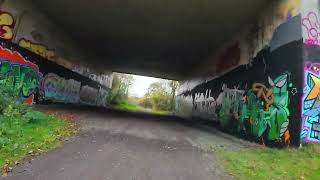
(140, 85)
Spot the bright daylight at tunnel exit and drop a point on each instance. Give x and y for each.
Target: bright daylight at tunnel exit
(161, 90)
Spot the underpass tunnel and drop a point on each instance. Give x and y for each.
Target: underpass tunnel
(250, 66)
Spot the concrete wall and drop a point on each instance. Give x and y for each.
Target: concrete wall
(23, 24)
(252, 86)
(42, 63)
(311, 72)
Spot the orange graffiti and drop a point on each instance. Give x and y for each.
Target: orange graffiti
(316, 88)
(250, 120)
(286, 137)
(265, 93)
(6, 26)
(39, 49)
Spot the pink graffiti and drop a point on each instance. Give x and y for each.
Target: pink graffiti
(312, 25)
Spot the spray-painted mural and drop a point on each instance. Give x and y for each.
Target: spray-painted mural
(257, 101)
(88, 95)
(39, 49)
(19, 74)
(56, 88)
(311, 26)
(6, 26)
(46, 80)
(261, 112)
(311, 104)
(102, 97)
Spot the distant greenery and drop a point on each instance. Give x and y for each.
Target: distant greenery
(120, 88)
(160, 96)
(127, 106)
(271, 163)
(24, 132)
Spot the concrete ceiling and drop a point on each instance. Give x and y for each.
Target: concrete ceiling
(161, 38)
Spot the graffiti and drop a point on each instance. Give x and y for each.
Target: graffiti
(260, 112)
(102, 97)
(312, 26)
(311, 104)
(229, 58)
(88, 95)
(39, 49)
(230, 100)
(58, 89)
(263, 92)
(20, 75)
(6, 25)
(204, 105)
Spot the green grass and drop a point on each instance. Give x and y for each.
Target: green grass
(159, 112)
(127, 106)
(32, 133)
(271, 163)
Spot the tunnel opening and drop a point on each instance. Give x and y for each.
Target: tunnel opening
(136, 93)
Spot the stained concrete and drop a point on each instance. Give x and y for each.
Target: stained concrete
(167, 38)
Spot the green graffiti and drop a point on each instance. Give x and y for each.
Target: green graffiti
(22, 79)
(260, 112)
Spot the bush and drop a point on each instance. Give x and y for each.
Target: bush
(9, 98)
(145, 102)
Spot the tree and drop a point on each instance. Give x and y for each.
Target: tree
(173, 87)
(120, 87)
(161, 95)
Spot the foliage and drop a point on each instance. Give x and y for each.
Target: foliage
(127, 106)
(120, 87)
(271, 163)
(160, 96)
(9, 97)
(145, 102)
(24, 132)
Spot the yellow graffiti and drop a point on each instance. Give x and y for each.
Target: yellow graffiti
(6, 26)
(316, 88)
(289, 8)
(265, 93)
(39, 49)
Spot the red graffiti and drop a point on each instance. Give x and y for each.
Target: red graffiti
(16, 57)
(229, 58)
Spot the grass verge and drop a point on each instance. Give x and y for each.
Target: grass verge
(126, 106)
(159, 112)
(271, 163)
(29, 134)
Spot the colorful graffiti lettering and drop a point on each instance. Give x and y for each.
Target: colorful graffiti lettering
(39, 49)
(19, 74)
(58, 89)
(6, 25)
(311, 104)
(88, 95)
(312, 26)
(260, 112)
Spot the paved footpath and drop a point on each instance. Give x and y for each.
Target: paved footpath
(115, 145)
